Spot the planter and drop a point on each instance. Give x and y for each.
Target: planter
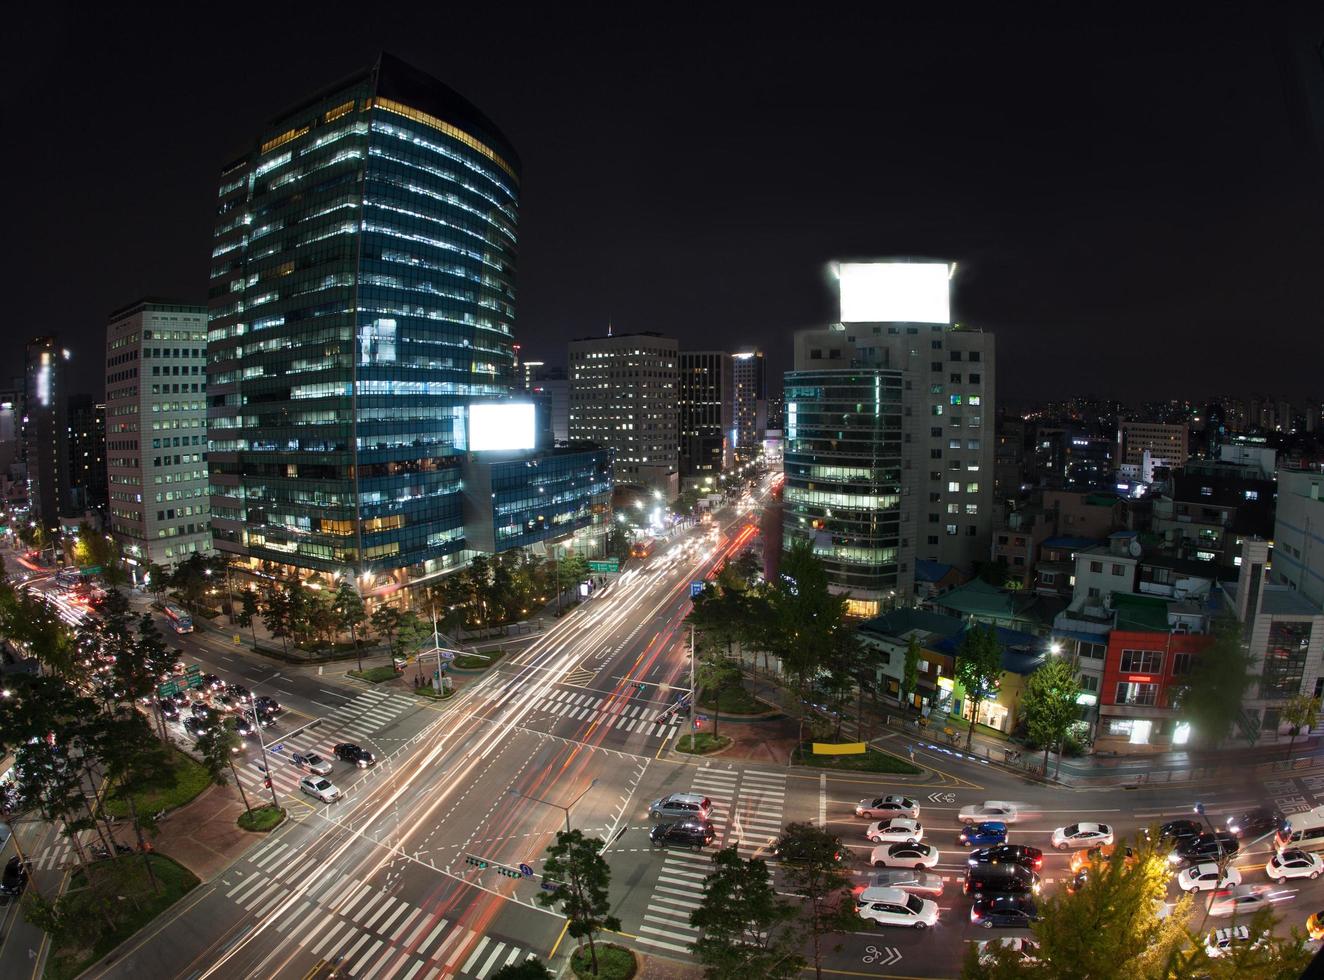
(614, 963)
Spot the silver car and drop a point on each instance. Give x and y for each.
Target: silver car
(884, 807)
(681, 806)
(319, 787)
(914, 882)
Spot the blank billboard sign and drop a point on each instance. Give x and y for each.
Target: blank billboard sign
(894, 292)
(500, 426)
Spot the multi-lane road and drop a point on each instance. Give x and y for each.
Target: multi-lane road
(388, 882)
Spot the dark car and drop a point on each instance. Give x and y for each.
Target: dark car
(262, 718)
(210, 682)
(1030, 857)
(15, 877)
(168, 709)
(1078, 881)
(201, 710)
(243, 726)
(239, 693)
(1000, 879)
(1254, 823)
(196, 726)
(349, 752)
(1204, 847)
(1015, 911)
(225, 701)
(266, 705)
(1175, 831)
(683, 833)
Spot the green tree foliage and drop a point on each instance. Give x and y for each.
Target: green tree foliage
(747, 930)
(715, 674)
(978, 668)
(815, 872)
(1049, 704)
(910, 670)
(1211, 697)
(248, 613)
(1300, 712)
(1267, 957)
(576, 862)
(530, 969)
(158, 580)
(217, 747)
(277, 613)
(386, 623)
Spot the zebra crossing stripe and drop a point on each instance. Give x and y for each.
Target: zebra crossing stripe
(367, 958)
(500, 948)
(473, 957)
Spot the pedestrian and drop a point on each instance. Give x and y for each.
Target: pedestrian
(911, 750)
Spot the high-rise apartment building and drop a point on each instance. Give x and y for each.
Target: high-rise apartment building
(156, 430)
(86, 445)
(624, 397)
(363, 295)
(751, 402)
(1298, 554)
(45, 431)
(1142, 446)
(707, 412)
(916, 481)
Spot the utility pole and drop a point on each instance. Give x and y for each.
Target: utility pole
(694, 707)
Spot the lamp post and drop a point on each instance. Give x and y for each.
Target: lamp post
(262, 743)
(1224, 859)
(563, 808)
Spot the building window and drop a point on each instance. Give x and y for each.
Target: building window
(974, 379)
(936, 365)
(1142, 661)
(936, 431)
(936, 344)
(1089, 682)
(954, 355)
(1181, 664)
(1119, 726)
(973, 355)
(954, 377)
(974, 509)
(937, 409)
(1252, 495)
(933, 539)
(951, 530)
(1093, 592)
(1117, 569)
(953, 487)
(954, 399)
(1096, 567)
(935, 454)
(935, 389)
(1206, 491)
(974, 400)
(1143, 695)
(1285, 658)
(953, 443)
(953, 508)
(972, 488)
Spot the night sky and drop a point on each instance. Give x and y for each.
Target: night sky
(1137, 206)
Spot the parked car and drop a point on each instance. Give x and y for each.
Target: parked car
(1254, 823)
(883, 807)
(15, 877)
(1220, 942)
(1025, 950)
(681, 806)
(915, 882)
(1014, 911)
(349, 752)
(312, 762)
(903, 854)
(1082, 835)
(988, 810)
(1031, 857)
(1239, 900)
(1204, 877)
(983, 834)
(690, 832)
(1204, 847)
(896, 829)
(319, 787)
(893, 907)
(1294, 863)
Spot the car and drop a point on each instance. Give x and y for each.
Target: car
(1175, 831)
(1294, 863)
(168, 709)
(790, 850)
(896, 829)
(201, 710)
(915, 882)
(17, 872)
(238, 692)
(1031, 857)
(681, 806)
(883, 807)
(988, 810)
(1024, 951)
(1078, 881)
(690, 832)
(225, 701)
(893, 907)
(211, 682)
(1254, 823)
(349, 752)
(1082, 859)
(197, 726)
(1220, 942)
(1315, 925)
(242, 725)
(259, 718)
(1000, 879)
(1204, 847)
(1239, 900)
(319, 787)
(1014, 911)
(1082, 835)
(181, 700)
(312, 762)
(904, 854)
(983, 834)
(267, 705)
(1204, 877)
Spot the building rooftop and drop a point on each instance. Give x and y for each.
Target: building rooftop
(899, 622)
(1277, 600)
(1074, 544)
(1021, 652)
(1140, 613)
(931, 571)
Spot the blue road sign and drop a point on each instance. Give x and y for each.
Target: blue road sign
(549, 886)
(278, 747)
(447, 655)
(526, 871)
(696, 589)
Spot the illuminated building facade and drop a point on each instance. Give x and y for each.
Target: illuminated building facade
(362, 296)
(750, 395)
(707, 412)
(45, 431)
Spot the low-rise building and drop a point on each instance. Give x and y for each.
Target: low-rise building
(933, 578)
(1211, 508)
(888, 637)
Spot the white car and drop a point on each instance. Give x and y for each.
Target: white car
(988, 810)
(893, 907)
(1294, 863)
(1220, 941)
(313, 763)
(882, 807)
(320, 787)
(1082, 835)
(896, 829)
(904, 855)
(1027, 950)
(1204, 877)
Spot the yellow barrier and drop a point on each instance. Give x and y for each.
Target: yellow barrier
(844, 748)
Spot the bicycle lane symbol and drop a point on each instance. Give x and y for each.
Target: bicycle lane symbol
(872, 954)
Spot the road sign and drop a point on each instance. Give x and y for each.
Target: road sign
(605, 565)
(696, 589)
(526, 871)
(167, 689)
(446, 656)
(548, 885)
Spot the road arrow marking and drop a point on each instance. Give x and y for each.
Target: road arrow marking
(942, 797)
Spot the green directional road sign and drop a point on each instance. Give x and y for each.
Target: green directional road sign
(605, 565)
(193, 676)
(167, 689)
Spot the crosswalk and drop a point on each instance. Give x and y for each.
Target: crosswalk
(636, 717)
(369, 930)
(747, 812)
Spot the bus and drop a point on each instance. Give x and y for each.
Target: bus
(642, 549)
(179, 620)
(1303, 830)
(67, 578)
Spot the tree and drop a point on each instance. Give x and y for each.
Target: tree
(530, 969)
(191, 579)
(409, 634)
(910, 670)
(348, 605)
(814, 871)
(1211, 697)
(386, 621)
(1301, 711)
(979, 669)
(1049, 705)
(157, 660)
(158, 580)
(248, 613)
(577, 864)
(1110, 928)
(714, 674)
(216, 747)
(747, 929)
(276, 612)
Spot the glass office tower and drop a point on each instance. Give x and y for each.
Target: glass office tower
(362, 294)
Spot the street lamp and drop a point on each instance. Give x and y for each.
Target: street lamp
(564, 809)
(1224, 859)
(262, 743)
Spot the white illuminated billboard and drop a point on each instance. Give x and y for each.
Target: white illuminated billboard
(501, 425)
(894, 292)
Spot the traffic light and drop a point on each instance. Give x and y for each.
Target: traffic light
(639, 685)
(477, 862)
(267, 782)
(509, 872)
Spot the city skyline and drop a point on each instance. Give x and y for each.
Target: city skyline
(1081, 210)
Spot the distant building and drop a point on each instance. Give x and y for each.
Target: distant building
(86, 443)
(156, 439)
(707, 412)
(1144, 446)
(1298, 534)
(624, 397)
(750, 402)
(1212, 508)
(550, 390)
(45, 431)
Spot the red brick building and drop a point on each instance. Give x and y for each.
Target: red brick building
(1141, 671)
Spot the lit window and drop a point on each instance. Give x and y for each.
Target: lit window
(951, 529)
(956, 400)
(953, 487)
(974, 400)
(972, 488)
